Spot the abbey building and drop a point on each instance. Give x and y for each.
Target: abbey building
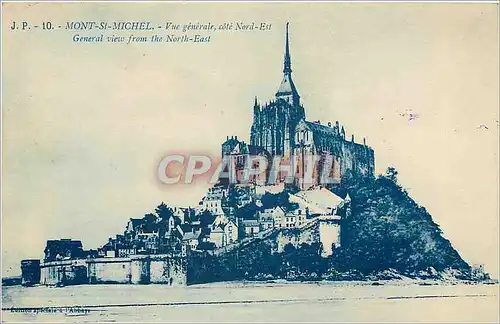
(280, 128)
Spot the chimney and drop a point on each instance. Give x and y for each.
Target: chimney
(227, 137)
(236, 137)
(352, 138)
(364, 141)
(329, 124)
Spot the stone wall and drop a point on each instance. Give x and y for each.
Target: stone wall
(66, 272)
(324, 229)
(109, 270)
(137, 269)
(140, 269)
(296, 237)
(168, 270)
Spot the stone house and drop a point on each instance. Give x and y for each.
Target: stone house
(251, 226)
(217, 236)
(274, 216)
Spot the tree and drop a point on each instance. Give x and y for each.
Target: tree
(248, 211)
(389, 230)
(206, 246)
(206, 218)
(270, 200)
(391, 173)
(163, 211)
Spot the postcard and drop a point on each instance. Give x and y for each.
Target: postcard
(250, 162)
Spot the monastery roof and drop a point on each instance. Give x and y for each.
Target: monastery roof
(322, 132)
(320, 129)
(240, 147)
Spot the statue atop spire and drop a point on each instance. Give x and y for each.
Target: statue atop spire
(287, 66)
(287, 90)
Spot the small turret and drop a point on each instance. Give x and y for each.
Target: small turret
(336, 128)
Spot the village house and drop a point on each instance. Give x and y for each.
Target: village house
(266, 222)
(212, 204)
(217, 236)
(191, 239)
(223, 231)
(251, 226)
(274, 216)
(231, 232)
(220, 220)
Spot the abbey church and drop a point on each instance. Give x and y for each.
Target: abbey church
(280, 128)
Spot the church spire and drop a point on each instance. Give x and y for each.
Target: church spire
(287, 90)
(287, 66)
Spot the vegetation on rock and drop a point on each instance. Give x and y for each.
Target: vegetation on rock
(385, 235)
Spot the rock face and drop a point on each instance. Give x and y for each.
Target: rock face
(384, 235)
(387, 229)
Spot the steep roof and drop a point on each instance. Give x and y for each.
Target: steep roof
(136, 222)
(323, 137)
(287, 87)
(63, 247)
(64, 244)
(250, 222)
(317, 200)
(320, 129)
(218, 229)
(191, 236)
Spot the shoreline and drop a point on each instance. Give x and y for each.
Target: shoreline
(283, 282)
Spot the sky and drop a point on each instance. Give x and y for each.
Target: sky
(84, 126)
